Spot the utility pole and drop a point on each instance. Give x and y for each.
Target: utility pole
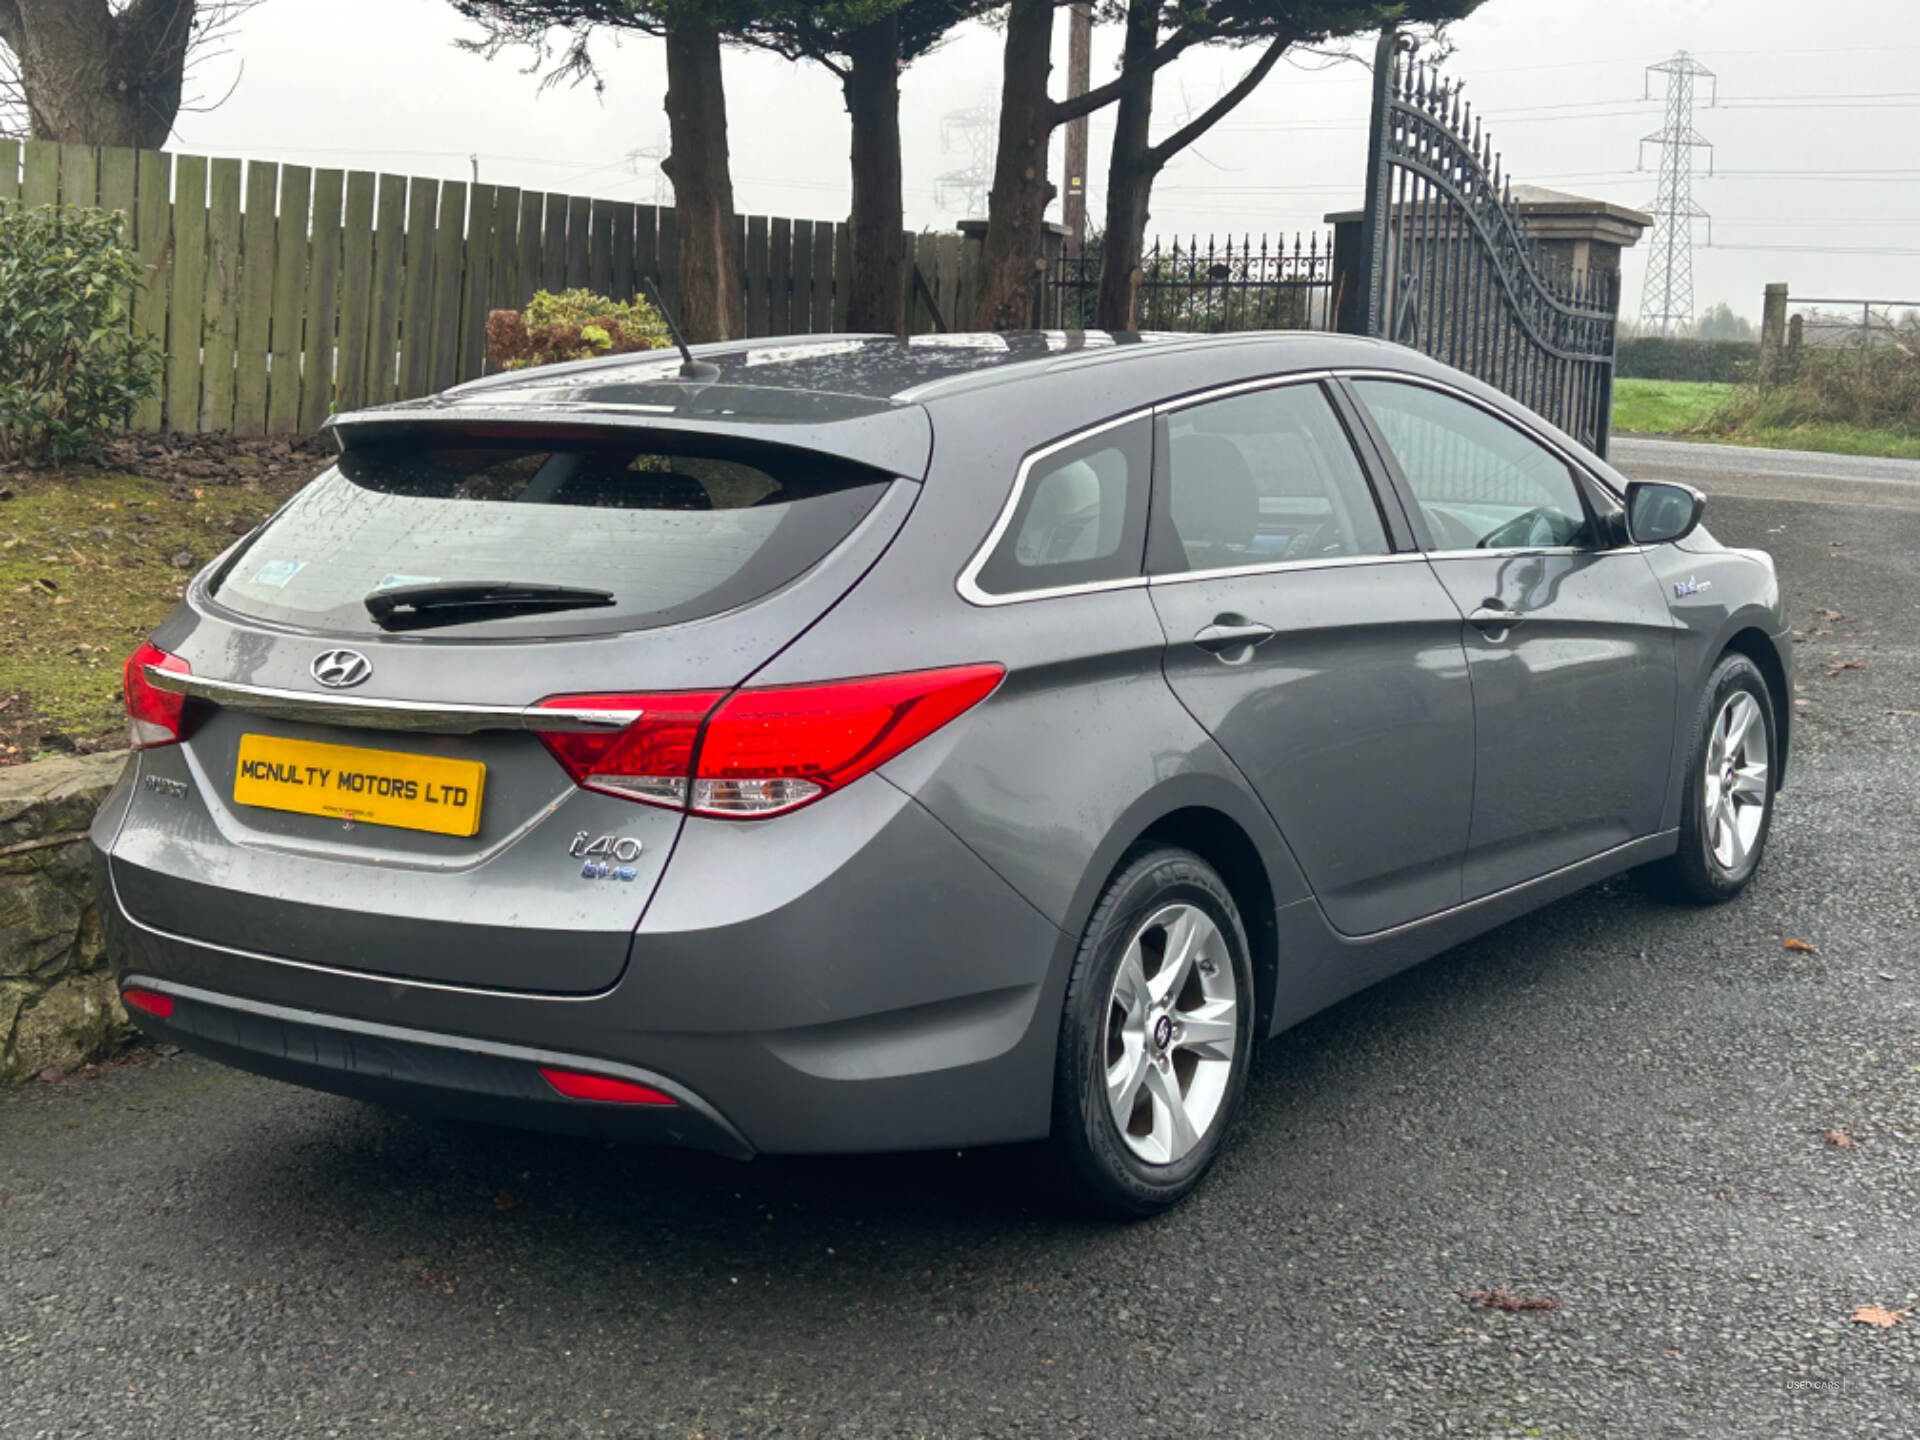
(1667, 303)
(1079, 80)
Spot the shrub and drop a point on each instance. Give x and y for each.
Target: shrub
(71, 366)
(573, 325)
(1867, 388)
(1660, 357)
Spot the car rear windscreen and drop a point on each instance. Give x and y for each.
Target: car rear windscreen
(673, 527)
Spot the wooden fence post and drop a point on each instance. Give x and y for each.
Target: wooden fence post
(288, 340)
(253, 336)
(186, 309)
(416, 291)
(322, 297)
(221, 328)
(356, 291)
(450, 239)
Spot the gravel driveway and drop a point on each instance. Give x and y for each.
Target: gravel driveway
(1702, 1145)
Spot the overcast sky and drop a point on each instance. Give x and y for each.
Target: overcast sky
(1818, 181)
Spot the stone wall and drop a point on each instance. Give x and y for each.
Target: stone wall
(58, 1005)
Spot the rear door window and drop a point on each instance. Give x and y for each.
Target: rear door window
(1261, 478)
(674, 528)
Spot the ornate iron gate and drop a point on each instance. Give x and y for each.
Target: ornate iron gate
(1447, 265)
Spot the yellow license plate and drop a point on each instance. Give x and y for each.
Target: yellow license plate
(345, 782)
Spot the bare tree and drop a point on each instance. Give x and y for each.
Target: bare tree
(108, 72)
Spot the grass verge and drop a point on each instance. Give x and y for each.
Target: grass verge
(1663, 407)
(90, 562)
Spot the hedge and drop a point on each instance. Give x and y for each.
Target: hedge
(1657, 357)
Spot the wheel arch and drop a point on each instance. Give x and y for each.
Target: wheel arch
(1759, 647)
(1219, 840)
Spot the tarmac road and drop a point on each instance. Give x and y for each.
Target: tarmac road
(1613, 1104)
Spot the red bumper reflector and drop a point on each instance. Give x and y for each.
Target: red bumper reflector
(576, 1086)
(149, 1001)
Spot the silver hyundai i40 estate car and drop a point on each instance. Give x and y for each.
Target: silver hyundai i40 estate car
(853, 744)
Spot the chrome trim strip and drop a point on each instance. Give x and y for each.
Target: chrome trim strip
(1468, 906)
(423, 717)
(1506, 552)
(968, 582)
(970, 590)
(371, 977)
(1278, 567)
(1239, 387)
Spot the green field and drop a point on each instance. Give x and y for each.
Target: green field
(1663, 407)
(1691, 408)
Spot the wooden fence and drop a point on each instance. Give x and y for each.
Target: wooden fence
(283, 293)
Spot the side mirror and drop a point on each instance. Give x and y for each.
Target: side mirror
(1658, 512)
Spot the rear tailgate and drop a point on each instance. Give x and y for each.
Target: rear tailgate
(412, 824)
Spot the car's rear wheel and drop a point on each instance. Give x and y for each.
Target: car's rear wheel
(1728, 806)
(1155, 1039)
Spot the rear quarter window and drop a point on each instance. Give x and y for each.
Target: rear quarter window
(675, 528)
(1080, 516)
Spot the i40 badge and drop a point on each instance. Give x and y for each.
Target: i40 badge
(609, 857)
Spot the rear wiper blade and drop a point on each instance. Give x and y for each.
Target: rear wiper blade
(449, 602)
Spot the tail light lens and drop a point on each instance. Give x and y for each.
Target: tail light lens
(765, 751)
(153, 716)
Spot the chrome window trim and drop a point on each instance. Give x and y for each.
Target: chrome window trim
(1240, 387)
(423, 717)
(1407, 377)
(968, 582)
(1275, 567)
(1281, 567)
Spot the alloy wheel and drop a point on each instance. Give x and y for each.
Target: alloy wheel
(1737, 788)
(1172, 1039)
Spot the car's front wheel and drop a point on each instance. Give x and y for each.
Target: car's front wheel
(1727, 809)
(1155, 1039)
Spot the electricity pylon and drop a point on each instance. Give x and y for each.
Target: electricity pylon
(1667, 304)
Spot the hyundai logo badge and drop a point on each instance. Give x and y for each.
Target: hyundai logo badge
(341, 669)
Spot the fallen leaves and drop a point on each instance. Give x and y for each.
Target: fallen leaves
(1839, 1139)
(1834, 670)
(1878, 1316)
(1800, 946)
(1500, 1300)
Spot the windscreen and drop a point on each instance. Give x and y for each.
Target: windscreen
(672, 527)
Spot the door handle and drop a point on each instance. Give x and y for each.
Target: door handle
(1493, 616)
(1232, 632)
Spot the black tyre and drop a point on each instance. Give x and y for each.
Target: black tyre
(1155, 1039)
(1727, 808)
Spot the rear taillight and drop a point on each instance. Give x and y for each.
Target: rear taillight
(153, 716)
(761, 752)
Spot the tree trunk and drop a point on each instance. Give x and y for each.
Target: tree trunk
(92, 77)
(711, 298)
(873, 101)
(1015, 250)
(1130, 173)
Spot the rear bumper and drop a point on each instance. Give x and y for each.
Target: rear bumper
(418, 1070)
(875, 987)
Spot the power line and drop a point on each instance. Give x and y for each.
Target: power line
(1823, 249)
(1668, 301)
